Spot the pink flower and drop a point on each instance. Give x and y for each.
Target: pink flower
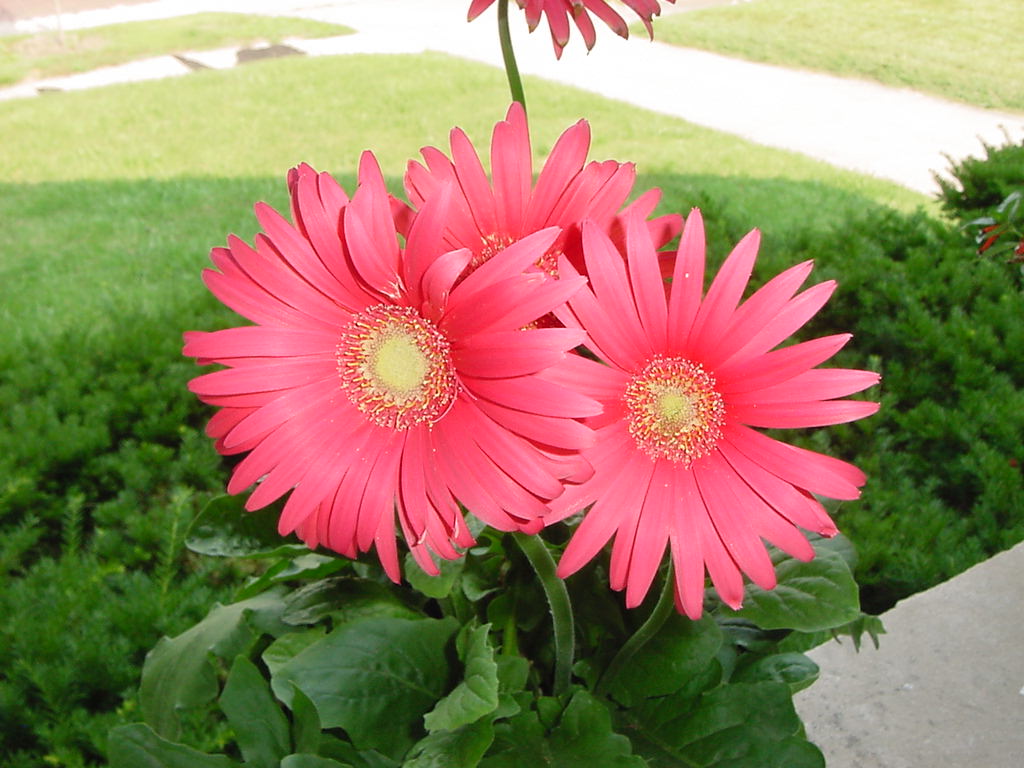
(373, 385)
(487, 215)
(559, 12)
(684, 379)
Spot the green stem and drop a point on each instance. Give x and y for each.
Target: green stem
(662, 610)
(515, 82)
(537, 553)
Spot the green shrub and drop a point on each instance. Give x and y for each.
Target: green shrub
(943, 455)
(981, 183)
(104, 464)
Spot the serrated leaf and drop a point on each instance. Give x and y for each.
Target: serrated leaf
(463, 747)
(137, 746)
(177, 673)
(810, 596)
(434, 586)
(477, 695)
(863, 624)
(226, 529)
(260, 727)
(582, 736)
(345, 598)
(794, 669)
(676, 654)
(375, 678)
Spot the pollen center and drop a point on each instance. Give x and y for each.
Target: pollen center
(398, 363)
(395, 366)
(674, 411)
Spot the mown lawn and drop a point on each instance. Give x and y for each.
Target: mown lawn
(966, 50)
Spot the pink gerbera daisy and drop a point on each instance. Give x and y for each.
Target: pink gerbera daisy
(376, 383)
(487, 215)
(558, 13)
(684, 379)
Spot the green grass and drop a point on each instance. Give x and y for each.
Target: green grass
(47, 54)
(966, 50)
(135, 242)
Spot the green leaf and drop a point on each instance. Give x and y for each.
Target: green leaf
(434, 586)
(738, 725)
(375, 678)
(308, 566)
(650, 715)
(177, 673)
(767, 706)
(475, 696)
(343, 752)
(137, 746)
(840, 545)
(794, 669)
(810, 596)
(581, 736)
(759, 751)
(311, 761)
(680, 650)
(305, 723)
(287, 647)
(513, 672)
(345, 598)
(260, 726)
(463, 747)
(865, 623)
(226, 529)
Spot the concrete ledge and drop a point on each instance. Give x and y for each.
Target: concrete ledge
(946, 687)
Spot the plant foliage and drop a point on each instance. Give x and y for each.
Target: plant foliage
(300, 678)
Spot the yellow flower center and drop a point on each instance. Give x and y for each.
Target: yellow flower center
(395, 367)
(673, 410)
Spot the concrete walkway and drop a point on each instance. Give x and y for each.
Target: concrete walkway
(895, 134)
(946, 689)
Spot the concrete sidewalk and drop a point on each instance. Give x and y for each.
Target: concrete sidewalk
(945, 689)
(895, 134)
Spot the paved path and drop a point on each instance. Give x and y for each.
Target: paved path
(894, 134)
(944, 690)
(947, 687)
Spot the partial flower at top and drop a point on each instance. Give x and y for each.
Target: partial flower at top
(684, 379)
(378, 381)
(559, 12)
(488, 215)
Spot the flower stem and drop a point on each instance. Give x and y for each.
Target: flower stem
(662, 610)
(515, 82)
(537, 553)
